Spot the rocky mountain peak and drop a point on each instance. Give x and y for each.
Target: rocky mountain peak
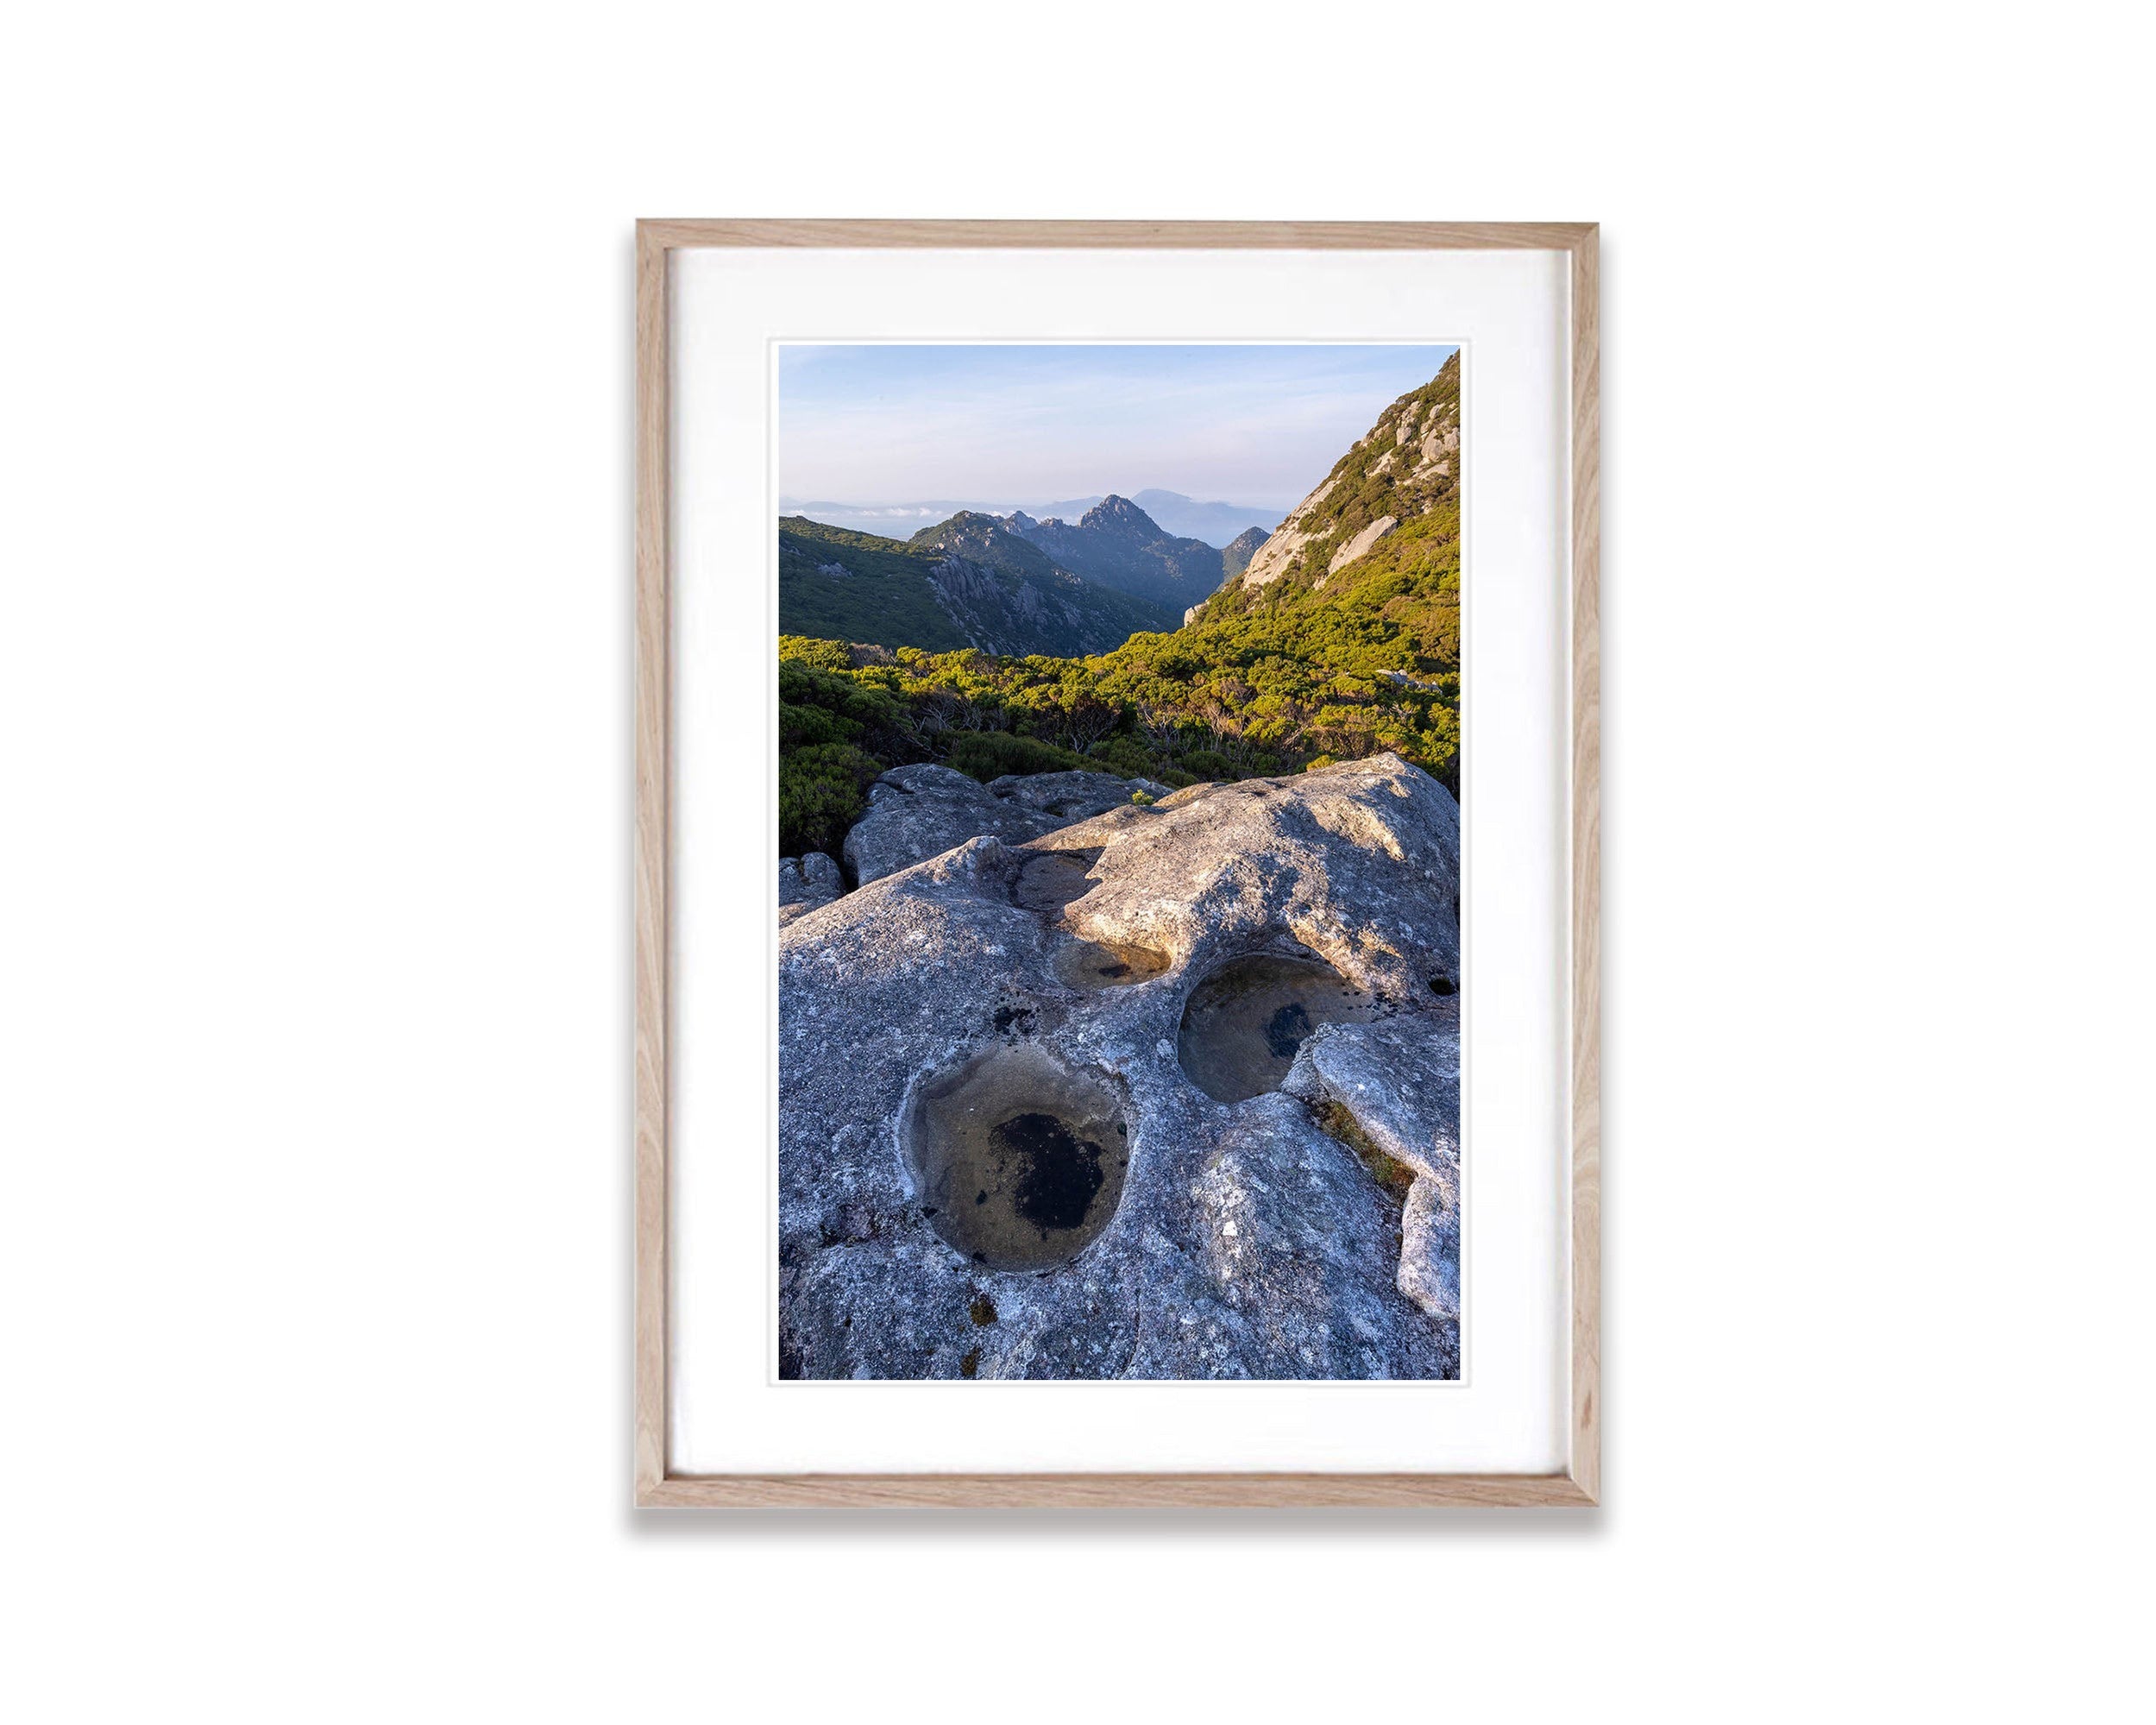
(1118, 545)
(985, 537)
(1235, 554)
(1120, 513)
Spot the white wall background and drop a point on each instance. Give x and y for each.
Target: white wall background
(314, 659)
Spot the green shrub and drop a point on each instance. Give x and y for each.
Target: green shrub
(1205, 763)
(800, 727)
(1123, 755)
(990, 755)
(823, 655)
(822, 790)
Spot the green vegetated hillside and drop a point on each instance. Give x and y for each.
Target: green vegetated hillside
(854, 586)
(1308, 656)
(965, 583)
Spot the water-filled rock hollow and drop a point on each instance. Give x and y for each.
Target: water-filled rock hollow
(1245, 1021)
(1018, 1162)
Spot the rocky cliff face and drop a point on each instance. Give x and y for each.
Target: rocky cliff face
(1406, 465)
(1117, 545)
(1168, 1091)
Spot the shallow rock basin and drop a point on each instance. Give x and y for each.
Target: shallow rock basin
(1088, 965)
(1018, 1162)
(1244, 1021)
(1049, 882)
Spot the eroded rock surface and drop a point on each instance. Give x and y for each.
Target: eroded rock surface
(919, 812)
(805, 883)
(1399, 1079)
(1074, 795)
(1247, 1241)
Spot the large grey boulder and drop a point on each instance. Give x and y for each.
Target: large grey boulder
(919, 812)
(1075, 795)
(931, 1014)
(807, 883)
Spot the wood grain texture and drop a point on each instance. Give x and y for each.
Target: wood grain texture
(1579, 1483)
(1585, 1099)
(1160, 235)
(653, 864)
(1119, 1491)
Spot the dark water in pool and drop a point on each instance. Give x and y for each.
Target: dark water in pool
(1245, 1022)
(1059, 1175)
(1019, 1163)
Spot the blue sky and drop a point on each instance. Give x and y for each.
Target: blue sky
(1256, 425)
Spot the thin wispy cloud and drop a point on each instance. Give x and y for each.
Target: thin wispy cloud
(1255, 425)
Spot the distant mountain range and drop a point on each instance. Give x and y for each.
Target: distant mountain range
(1118, 545)
(1005, 584)
(1029, 595)
(966, 582)
(1217, 524)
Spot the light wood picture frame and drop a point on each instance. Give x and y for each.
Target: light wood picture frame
(1579, 1481)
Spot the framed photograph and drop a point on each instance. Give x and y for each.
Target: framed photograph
(1117, 851)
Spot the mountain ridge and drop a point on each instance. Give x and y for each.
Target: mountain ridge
(1117, 545)
(965, 583)
(1214, 523)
